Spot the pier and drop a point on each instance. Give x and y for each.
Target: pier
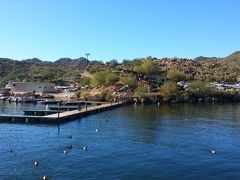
(63, 108)
(41, 112)
(56, 116)
(83, 103)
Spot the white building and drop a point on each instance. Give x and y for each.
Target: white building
(33, 87)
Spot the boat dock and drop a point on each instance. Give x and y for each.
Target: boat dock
(63, 108)
(83, 103)
(56, 116)
(41, 112)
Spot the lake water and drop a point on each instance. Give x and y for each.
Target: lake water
(142, 142)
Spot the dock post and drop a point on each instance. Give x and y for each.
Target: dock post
(86, 105)
(58, 109)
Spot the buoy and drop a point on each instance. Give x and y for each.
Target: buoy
(158, 103)
(45, 177)
(11, 150)
(96, 130)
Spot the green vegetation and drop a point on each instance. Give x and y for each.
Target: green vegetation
(85, 81)
(111, 78)
(169, 91)
(178, 76)
(99, 79)
(104, 78)
(140, 93)
(83, 95)
(142, 78)
(200, 89)
(129, 79)
(147, 67)
(11, 70)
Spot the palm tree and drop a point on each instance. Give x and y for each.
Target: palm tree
(87, 54)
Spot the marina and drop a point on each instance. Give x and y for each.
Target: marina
(120, 90)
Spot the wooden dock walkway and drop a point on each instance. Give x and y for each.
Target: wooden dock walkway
(59, 117)
(75, 103)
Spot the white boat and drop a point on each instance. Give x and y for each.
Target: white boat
(28, 99)
(23, 98)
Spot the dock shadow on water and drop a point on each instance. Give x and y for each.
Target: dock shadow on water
(129, 142)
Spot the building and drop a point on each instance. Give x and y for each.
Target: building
(33, 87)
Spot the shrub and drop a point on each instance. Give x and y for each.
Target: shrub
(170, 91)
(111, 78)
(140, 93)
(147, 67)
(85, 81)
(178, 76)
(129, 80)
(200, 89)
(104, 78)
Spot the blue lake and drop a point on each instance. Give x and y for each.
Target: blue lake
(133, 142)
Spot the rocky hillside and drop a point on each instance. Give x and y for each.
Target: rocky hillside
(33, 70)
(209, 69)
(76, 63)
(33, 61)
(202, 68)
(235, 55)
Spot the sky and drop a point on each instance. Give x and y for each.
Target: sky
(118, 29)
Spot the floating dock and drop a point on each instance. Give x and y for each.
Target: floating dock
(41, 112)
(61, 108)
(57, 117)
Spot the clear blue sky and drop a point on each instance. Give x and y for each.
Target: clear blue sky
(118, 29)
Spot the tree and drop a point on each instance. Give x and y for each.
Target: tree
(104, 78)
(200, 89)
(83, 94)
(148, 67)
(99, 79)
(139, 69)
(93, 69)
(140, 93)
(113, 62)
(169, 91)
(85, 81)
(178, 76)
(111, 78)
(129, 79)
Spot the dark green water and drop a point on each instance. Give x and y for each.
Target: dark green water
(142, 142)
